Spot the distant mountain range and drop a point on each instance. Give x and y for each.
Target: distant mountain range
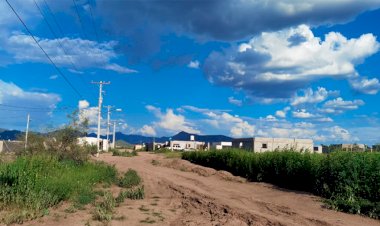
(9, 134)
(137, 139)
(133, 138)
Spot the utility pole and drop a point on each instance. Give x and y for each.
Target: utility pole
(154, 143)
(101, 83)
(114, 134)
(27, 131)
(108, 123)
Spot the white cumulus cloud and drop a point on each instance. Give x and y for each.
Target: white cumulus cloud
(193, 64)
(83, 53)
(274, 65)
(366, 86)
(312, 97)
(148, 130)
(338, 105)
(302, 114)
(170, 121)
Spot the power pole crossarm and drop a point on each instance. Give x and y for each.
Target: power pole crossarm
(99, 112)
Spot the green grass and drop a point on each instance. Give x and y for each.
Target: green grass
(32, 184)
(350, 181)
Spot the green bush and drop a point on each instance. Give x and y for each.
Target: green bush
(350, 181)
(31, 184)
(130, 179)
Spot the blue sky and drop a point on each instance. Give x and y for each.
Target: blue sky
(305, 69)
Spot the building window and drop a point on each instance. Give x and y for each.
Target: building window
(264, 146)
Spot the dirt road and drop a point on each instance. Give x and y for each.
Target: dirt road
(181, 193)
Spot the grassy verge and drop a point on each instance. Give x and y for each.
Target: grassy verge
(349, 181)
(32, 184)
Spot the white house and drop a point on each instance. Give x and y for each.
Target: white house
(104, 144)
(353, 147)
(186, 145)
(221, 145)
(318, 149)
(263, 144)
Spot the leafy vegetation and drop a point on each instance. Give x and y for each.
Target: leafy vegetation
(130, 179)
(350, 181)
(31, 184)
(134, 194)
(54, 168)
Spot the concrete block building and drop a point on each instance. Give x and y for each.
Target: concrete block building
(263, 144)
(187, 145)
(221, 145)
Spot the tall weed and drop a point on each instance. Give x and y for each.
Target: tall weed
(350, 181)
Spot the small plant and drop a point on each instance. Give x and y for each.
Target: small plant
(134, 194)
(130, 179)
(104, 210)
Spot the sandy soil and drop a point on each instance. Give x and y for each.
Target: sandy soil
(181, 193)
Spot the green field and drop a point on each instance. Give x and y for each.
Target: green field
(349, 181)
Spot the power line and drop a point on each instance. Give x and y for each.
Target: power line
(80, 19)
(58, 40)
(54, 18)
(23, 107)
(51, 61)
(93, 21)
(36, 108)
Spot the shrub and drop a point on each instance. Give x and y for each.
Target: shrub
(134, 193)
(349, 180)
(104, 210)
(130, 179)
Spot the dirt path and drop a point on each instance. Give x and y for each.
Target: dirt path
(181, 193)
